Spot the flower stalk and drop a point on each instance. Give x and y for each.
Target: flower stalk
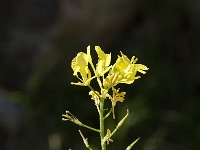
(102, 128)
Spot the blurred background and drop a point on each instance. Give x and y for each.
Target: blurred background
(38, 40)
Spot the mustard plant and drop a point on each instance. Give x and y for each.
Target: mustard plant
(108, 77)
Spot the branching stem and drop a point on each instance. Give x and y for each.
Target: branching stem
(107, 137)
(91, 128)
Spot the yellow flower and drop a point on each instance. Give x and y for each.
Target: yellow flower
(80, 67)
(124, 71)
(103, 62)
(117, 97)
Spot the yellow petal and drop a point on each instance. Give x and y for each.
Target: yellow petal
(103, 56)
(89, 58)
(100, 53)
(103, 62)
(108, 60)
(75, 67)
(100, 67)
(140, 68)
(81, 60)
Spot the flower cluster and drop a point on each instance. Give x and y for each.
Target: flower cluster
(108, 76)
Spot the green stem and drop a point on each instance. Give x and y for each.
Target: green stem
(101, 119)
(88, 127)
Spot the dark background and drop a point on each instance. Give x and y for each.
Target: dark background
(38, 40)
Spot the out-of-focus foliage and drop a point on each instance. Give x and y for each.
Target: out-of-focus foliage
(38, 40)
